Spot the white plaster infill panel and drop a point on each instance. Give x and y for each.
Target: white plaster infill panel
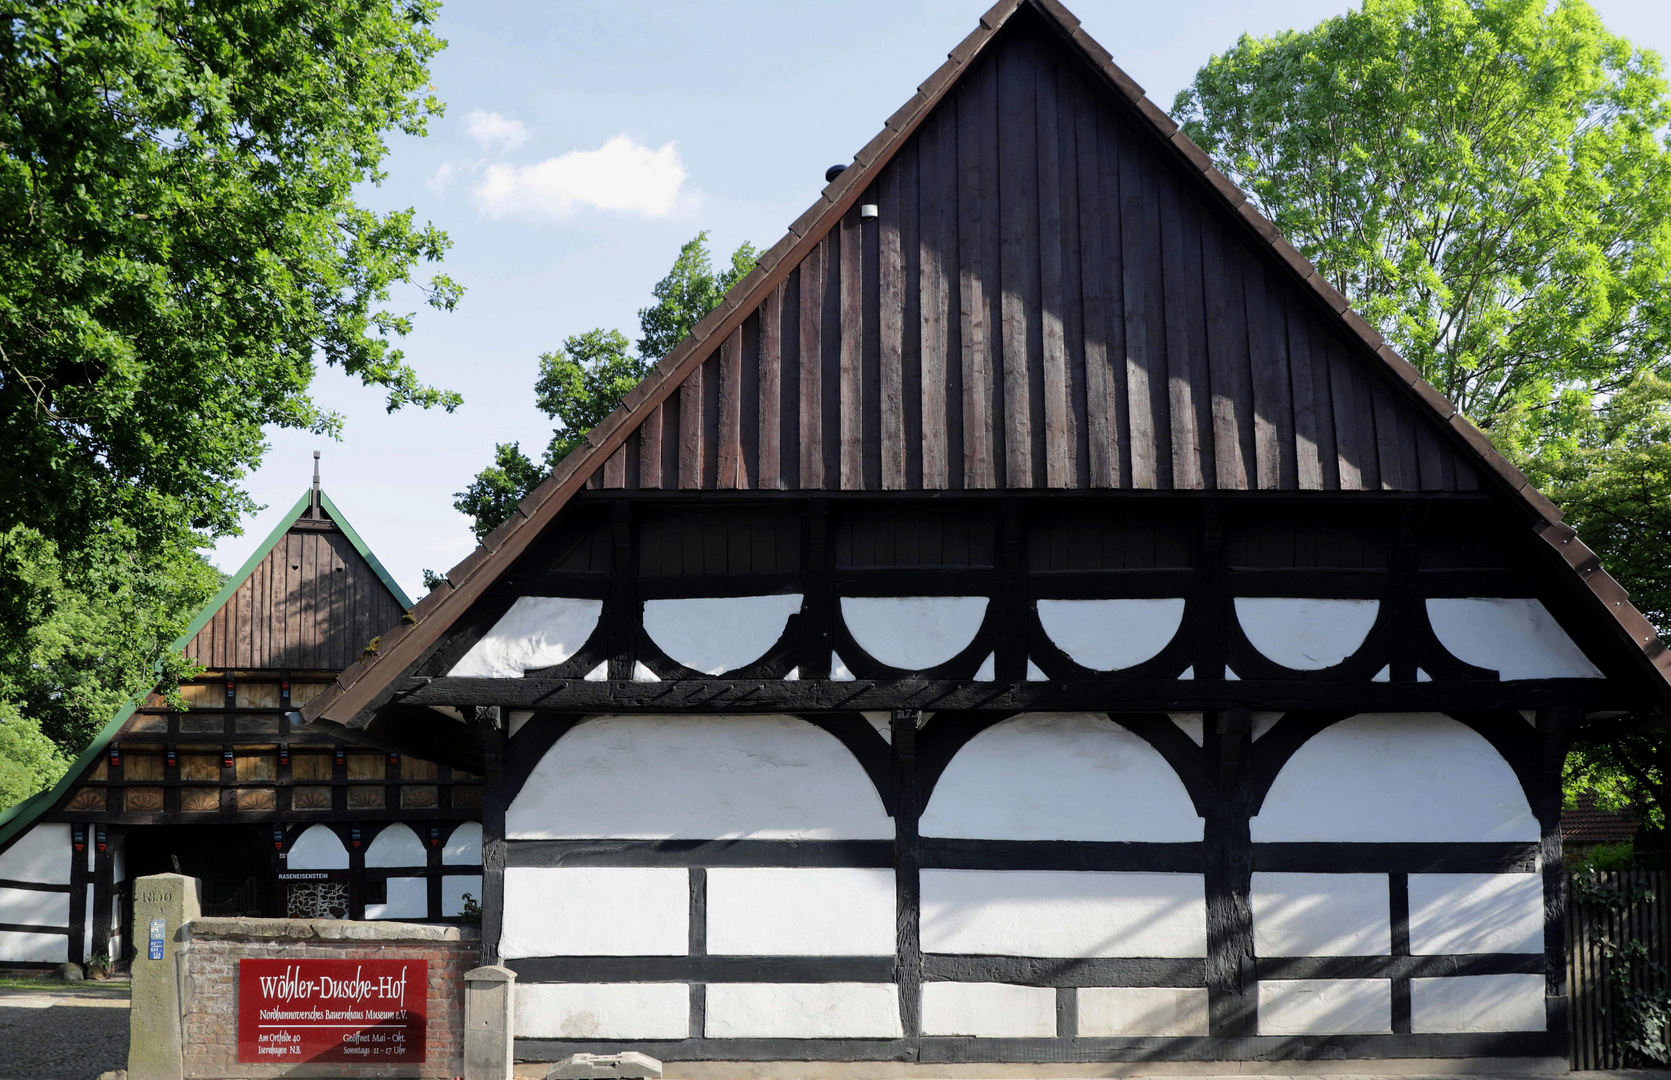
(1321, 915)
(802, 1011)
(801, 911)
(396, 845)
(21, 947)
(913, 632)
(1304, 633)
(989, 1010)
(602, 1010)
(1060, 776)
(40, 855)
(1476, 913)
(1396, 777)
(1063, 913)
(1325, 1007)
(698, 778)
(453, 888)
(1518, 639)
(596, 911)
(714, 635)
(464, 846)
(537, 632)
(1107, 635)
(317, 849)
(1478, 1003)
(1135, 1011)
(32, 907)
(408, 898)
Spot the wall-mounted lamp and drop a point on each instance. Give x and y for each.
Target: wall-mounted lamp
(868, 212)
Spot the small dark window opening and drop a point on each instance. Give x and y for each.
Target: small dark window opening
(377, 891)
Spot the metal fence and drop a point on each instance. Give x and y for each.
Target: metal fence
(1591, 929)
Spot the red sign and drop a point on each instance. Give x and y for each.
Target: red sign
(372, 1011)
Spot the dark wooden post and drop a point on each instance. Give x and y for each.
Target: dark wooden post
(1554, 738)
(907, 866)
(818, 609)
(1228, 865)
(490, 730)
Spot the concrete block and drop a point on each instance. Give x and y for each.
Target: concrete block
(489, 1016)
(627, 1064)
(162, 905)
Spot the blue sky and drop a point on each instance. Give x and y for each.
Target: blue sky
(585, 141)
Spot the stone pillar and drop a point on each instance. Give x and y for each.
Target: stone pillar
(162, 904)
(489, 1023)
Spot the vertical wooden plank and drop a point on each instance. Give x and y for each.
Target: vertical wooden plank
(1226, 353)
(1058, 420)
(890, 320)
(911, 311)
(615, 468)
(649, 450)
(1102, 154)
(771, 390)
(1350, 436)
(729, 448)
(1386, 436)
(936, 168)
(1308, 461)
(812, 367)
(1176, 283)
(1267, 353)
(851, 346)
(1138, 233)
(977, 139)
(1018, 211)
(691, 430)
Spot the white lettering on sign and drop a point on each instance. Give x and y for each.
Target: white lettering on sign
(291, 987)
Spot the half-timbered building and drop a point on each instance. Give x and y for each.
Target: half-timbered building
(1033, 618)
(272, 818)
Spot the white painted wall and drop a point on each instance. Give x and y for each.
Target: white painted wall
(596, 911)
(1304, 633)
(18, 947)
(801, 911)
(1136, 1011)
(396, 845)
(453, 888)
(317, 849)
(714, 635)
(698, 777)
(1106, 635)
(408, 898)
(1063, 913)
(1390, 777)
(1060, 776)
(1321, 915)
(602, 1010)
(1325, 1007)
(802, 1011)
(1518, 639)
(913, 632)
(1478, 1003)
(537, 632)
(989, 1010)
(30, 907)
(1193, 724)
(42, 854)
(1476, 913)
(464, 846)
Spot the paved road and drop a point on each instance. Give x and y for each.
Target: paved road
(63, 1031)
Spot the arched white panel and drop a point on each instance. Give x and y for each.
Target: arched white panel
(1060, 776)
(396, 845)
(1106, 635)
(537, 632)
(1305, 634)
(718, 634)
(913, 632)
(701, 778)
(1518, 639)
(42, 854)
(317, 849)
(464, 846)
(1396, 777)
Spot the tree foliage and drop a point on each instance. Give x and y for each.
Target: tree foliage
(586, 379)
(183, 245)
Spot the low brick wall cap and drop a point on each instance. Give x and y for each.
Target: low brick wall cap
(327, 930)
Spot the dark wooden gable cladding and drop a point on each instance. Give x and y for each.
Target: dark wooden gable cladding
(1043, 301)
(312, 604)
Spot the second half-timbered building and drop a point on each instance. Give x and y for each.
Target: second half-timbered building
(1033, 618)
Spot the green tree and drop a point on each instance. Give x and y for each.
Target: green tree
(1489, 182)
(586, 379)
(183, 245)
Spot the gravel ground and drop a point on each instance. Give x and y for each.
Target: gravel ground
(63, 1031)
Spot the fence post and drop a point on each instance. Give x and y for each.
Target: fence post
(162, 904)
(489, 1023)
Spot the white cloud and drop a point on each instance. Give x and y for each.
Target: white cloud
(443, 176)
(495, 132)
(621, 175)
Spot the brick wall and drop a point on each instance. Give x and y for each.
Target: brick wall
(209, 990)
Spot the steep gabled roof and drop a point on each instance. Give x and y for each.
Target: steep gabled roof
(1020, 409)
(16, 819)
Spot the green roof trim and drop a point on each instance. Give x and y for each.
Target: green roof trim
(16, 819)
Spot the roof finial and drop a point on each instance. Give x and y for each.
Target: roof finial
(313, 502)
